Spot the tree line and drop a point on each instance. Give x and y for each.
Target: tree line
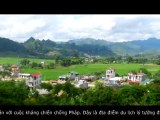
(17, 93)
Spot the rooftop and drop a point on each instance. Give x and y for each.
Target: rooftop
(25, 74)
(36, 74)
(14, 66)
(115, 78)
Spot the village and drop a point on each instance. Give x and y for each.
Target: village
(34, 80)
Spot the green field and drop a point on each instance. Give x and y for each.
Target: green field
(52, 74)
(11, 60)
(121, 69)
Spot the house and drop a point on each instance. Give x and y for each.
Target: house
(15, 70)
(71, 76)
(34, 80)
(110, 73)
(77, 79)
(24, 75)
(136, 78)
(1, 68)
(42, 63)
(64, 77)
(82, 84)
(89, 78)
(111, 79)
(114, 80)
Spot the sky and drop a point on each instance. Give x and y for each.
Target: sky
(60, 27)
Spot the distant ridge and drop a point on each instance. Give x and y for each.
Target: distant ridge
(151, 45)
(94, 47)
(11, 48)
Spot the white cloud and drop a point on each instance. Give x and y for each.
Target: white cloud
(66, 27)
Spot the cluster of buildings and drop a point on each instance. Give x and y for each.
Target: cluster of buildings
(111, 79)
(79, 80)
(32, 80)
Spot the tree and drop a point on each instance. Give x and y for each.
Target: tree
(104, 94)
(24, 62)
(158, 62)
(46, 86)
(129, 95)
(75, 54)
(30, 101)
(4, 73)
(129, 59)
(145, 71)
(156, 78)
(66, 62)
(111, 59)
(142, 60)
(51, 66)
(34, 64)
(13, 93)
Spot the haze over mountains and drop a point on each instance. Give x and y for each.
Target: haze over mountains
(89, 46)
(151, 45)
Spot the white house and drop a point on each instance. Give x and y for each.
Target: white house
(82, 84)
(89, 78)
(43, 63)
(77, 79)
(110, 73)
(24, 75)
(34, 80)
(73, 75)
(114, 80)
(137, 78)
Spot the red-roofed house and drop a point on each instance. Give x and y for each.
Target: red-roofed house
(34, 80)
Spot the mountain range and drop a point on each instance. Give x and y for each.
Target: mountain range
(86, 46)
(149, 46)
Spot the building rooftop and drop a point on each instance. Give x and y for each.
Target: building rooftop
(14, 66)
(136, 82)
(35, 74)
(115, 78)
(25, 74)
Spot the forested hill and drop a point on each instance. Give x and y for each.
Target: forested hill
(12, 48)
(51, 48)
